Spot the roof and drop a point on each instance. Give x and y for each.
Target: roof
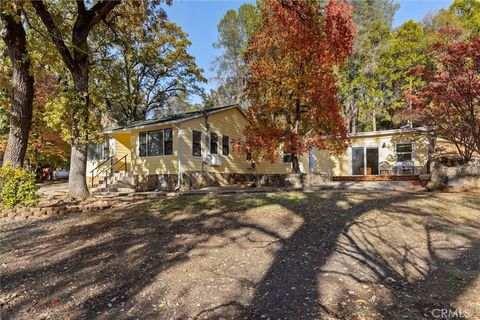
(180, 117)
(386, 132)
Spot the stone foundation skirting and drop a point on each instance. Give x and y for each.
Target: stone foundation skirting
(202, 179)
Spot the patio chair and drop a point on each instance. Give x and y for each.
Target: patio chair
(408, 167)
(384, 168)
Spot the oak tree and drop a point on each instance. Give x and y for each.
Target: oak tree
(22, 82)
(73, 49)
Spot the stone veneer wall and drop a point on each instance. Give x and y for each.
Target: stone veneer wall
(49, 211)
(202, 179)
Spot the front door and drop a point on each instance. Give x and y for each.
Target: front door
(364, 161)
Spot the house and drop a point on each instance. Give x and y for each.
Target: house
(194, 149)
(387, 152)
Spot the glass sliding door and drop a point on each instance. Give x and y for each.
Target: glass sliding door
(372, 161)
(358, 161)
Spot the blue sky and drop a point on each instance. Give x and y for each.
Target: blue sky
(199, 19)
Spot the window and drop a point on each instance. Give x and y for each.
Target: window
(98, 151)
(287, 158)
(225, 145)
(168, 135)
(196, 143)
(143, 144)
(213, 143)
(155, 143)
(404, 152)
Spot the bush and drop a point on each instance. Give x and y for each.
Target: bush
(17, 188)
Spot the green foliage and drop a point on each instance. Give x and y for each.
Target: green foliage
(405, 52)
(17, 187)
(138, 76)
(360, 85)
(234, 31)
(468, 12)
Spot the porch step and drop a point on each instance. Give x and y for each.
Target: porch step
(403, 177)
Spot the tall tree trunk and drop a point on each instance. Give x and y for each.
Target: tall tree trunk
(295, 164)
(77, 182)
(77, 61)
(14, 37)
(374, 117)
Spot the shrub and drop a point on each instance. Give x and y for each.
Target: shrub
(17, 187)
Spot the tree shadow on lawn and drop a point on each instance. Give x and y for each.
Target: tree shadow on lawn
(103, 266)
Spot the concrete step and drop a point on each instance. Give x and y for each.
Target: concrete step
(112, 189)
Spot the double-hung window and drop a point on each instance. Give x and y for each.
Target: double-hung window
(213, 143)
(225, 145)
(404, 151)
(156, 143)
(196, 143)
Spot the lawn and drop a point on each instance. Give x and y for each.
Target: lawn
(329, 255)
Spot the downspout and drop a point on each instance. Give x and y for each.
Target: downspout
(207, 142)
(180, 158)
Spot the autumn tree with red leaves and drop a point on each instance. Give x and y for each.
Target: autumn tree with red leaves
(449, 102)
(291, 83)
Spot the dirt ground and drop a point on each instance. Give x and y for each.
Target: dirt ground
(322, 255)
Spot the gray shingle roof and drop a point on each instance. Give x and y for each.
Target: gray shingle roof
(173, 118)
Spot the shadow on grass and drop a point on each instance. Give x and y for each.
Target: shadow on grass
(107, 262)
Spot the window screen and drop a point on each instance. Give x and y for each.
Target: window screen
(168, 135)
(197, 143)
(404, 152)
(155, 143)
(225, 145)
(213, 143)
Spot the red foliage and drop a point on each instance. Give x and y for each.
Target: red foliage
(291, 85)
(449, 102)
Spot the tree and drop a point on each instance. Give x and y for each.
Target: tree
(449, 100)
(76, 58)
(234, 30)
(22, 82)
(142, 71)
(360, 90)
(406, 51)
(468, 12)
(291, 79)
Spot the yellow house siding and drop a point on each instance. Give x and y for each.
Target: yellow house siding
(342, 165)
(231, 123)
(122, 148)
(166, 164)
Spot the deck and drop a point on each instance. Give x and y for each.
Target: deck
(402, 177)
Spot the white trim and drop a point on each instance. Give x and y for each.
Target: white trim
(387, 132)
(180, 156)
(365, 148)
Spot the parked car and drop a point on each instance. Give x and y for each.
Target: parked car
(61, 174)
